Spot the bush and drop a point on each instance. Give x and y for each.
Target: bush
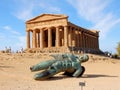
(118, 49)
(115, 56)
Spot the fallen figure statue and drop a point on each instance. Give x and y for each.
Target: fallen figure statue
(70, 64)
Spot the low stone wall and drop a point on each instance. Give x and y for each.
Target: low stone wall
(62, 50)
(48, 50)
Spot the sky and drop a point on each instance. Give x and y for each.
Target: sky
(101, 15)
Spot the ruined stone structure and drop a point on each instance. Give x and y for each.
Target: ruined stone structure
(54, 33)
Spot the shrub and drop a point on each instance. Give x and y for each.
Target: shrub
(118, 49)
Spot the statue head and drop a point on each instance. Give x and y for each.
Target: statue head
(83, 58)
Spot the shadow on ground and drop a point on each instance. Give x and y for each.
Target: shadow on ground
(96, 76)
(6, 66)
(84, 76)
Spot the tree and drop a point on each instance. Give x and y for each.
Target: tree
(118, 49)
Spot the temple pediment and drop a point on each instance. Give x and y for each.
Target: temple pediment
(46, 17)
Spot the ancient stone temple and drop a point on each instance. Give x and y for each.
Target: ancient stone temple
(54, 33)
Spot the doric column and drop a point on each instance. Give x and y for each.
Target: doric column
(38, 40)
(49, 37)
(41, 38)
(73, 37)
(70, 36)
(77, 39)
(97, 42)
(87, 43)
(83, 40)
(34, 39)
(94, 42)
(90, 41)
(65, 36)
(57, 37)
(62, 37)
(28, 39)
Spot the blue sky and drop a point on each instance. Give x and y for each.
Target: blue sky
(102, 15)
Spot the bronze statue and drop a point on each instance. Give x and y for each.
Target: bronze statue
(70, 64)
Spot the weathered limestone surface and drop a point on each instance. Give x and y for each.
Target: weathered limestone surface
(54, 33)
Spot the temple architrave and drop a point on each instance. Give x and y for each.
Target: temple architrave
(54, 33)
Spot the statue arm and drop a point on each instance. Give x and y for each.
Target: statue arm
(57, 56)
(42, 65)
(78, 71)
(60, 56)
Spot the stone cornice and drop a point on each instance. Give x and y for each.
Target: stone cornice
(53, 17)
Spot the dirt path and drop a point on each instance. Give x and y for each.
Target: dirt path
(101, 74)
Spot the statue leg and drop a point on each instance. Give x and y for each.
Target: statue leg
(45, 74)
(83, 70)
(71, 73)
(68, 74)
(42, 65)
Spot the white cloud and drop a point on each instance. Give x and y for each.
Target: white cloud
(24, 14)
(11, 30)
(49, 8)
(106, 24)
(26, 9)
(91, 10)
(94, 11)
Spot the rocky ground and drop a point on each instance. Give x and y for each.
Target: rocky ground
(102, 73)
